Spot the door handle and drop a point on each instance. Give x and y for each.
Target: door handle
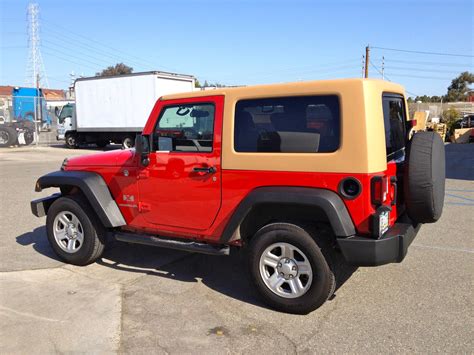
(207, 170)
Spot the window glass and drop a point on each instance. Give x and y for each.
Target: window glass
(303, 124)
(395, 125)
(185, 128)
(66, 111)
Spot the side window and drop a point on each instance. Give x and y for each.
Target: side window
(66, 111)
(185, 128)
(303, 124)
(395, 125)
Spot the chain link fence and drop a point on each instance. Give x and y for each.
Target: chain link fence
(29, 121)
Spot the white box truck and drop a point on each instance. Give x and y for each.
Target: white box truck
(115, 108)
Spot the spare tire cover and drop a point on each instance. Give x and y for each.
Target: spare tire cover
(424, 177)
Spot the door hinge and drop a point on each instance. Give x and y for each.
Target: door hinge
(144, 174)
(144, 207)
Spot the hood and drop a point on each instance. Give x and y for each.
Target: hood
(111, 158)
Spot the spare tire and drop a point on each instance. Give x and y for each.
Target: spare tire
(424, 177)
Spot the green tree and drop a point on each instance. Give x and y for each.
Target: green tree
(117, 69)
(459, 87)
(197, 84)
(450, 117)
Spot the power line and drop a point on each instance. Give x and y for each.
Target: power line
(420, 77)
(384, 76)
(422, 52)
(78, 43)
(424, 70)
(427, 63)
(70, 61)
(106, 46)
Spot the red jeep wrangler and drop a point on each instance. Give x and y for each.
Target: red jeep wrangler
(298, 174)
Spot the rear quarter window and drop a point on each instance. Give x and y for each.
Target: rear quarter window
(394, 116)
(302, 124)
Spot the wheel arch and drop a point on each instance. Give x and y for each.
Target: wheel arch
(94, 189)
(291, 204)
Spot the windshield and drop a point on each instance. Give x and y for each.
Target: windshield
(67, 111)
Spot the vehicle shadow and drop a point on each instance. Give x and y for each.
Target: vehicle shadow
(224, 274)
(40, 243)
(460, 161)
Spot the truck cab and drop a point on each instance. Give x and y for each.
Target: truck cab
(66, 120)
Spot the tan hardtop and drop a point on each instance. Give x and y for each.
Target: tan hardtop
(362, 142)
(286, 88)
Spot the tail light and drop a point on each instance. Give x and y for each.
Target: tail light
(378, 190)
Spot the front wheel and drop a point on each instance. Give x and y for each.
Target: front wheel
(289, 269)
(71, 141)
(128, 142)
(74, 232)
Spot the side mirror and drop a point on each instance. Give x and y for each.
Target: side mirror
(142, 148)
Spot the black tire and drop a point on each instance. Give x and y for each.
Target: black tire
(102, 144)
(8, 136)
(128, 142)
(424, 177)
(71, 141)
(323, 283)
(29, 137)
(94, 234)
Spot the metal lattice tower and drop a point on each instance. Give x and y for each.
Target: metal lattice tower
(35, 69)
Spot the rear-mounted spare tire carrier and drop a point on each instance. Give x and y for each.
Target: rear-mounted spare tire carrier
(425, 177)
(93, 187)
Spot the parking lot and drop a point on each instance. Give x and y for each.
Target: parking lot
(148, 300)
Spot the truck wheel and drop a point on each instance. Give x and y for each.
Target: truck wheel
(70, 140)
(74, 232)
(128, 142)
(29, 137)
(8, 136)
(289, 269)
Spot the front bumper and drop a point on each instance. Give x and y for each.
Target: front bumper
(390, 248)
(40, 206)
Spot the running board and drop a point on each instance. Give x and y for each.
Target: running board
(194, 247)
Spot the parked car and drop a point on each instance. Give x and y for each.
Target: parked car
(303, 176)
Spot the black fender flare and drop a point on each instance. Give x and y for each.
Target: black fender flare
(94, 188)
(328, 201)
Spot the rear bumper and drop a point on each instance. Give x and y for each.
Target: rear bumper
(40, 207)
(390, 248)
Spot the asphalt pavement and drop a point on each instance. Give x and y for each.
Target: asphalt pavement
(140, 299)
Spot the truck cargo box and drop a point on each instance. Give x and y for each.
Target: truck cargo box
(123, 103)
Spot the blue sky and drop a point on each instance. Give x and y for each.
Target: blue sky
(244, 42)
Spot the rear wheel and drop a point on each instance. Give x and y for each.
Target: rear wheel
(74, 232)
(8, 136)
(71, 141)
(288, 268)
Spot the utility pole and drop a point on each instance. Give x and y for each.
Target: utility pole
(383, 68)
(37, 109)
(363, 66)
(367, 60)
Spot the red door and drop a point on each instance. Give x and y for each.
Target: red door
(181, 187)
